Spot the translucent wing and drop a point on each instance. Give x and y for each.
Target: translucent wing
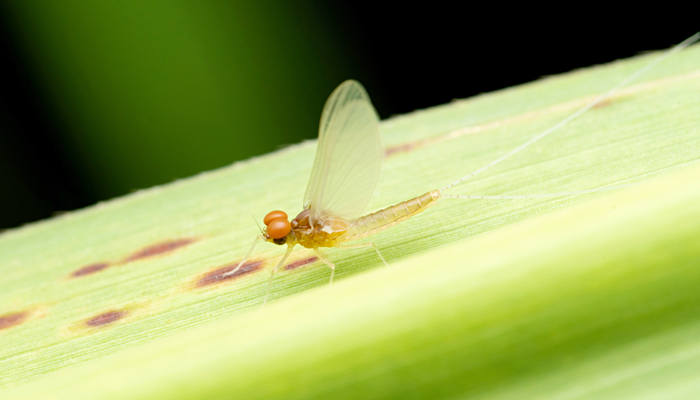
(348, 157)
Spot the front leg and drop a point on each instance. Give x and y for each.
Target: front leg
(274, 270)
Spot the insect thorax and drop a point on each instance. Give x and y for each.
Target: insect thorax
(322, 232)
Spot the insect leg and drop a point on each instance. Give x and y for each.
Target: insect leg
(246, 258)
(274, 270)
(362, 246)
(327, 262)
(379, 254)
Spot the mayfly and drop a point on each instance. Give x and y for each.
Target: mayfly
(346, 171)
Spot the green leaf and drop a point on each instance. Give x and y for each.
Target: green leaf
(589, 296)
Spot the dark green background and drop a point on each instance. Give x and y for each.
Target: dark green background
(157, 90)
(101, 98)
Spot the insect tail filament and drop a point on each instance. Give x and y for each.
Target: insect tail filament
(603, 97)
(535, 195)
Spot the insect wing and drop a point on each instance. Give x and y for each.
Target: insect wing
(348, 157)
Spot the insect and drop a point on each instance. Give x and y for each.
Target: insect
(346, 171)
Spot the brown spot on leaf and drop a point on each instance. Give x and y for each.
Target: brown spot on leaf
(603, 103)
(401, 148)
(106, 318)
(12, 319)
(416, 144)
(89, 269)
(302, 262)
(159, 248)
(222, 274)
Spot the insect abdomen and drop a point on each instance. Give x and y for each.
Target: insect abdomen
(384, 218)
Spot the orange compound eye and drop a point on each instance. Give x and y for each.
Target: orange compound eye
(278, 228)
(277, 214)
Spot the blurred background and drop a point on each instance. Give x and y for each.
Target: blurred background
(103, 98)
